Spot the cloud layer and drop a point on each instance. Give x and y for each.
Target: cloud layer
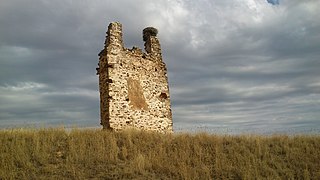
(243, 64)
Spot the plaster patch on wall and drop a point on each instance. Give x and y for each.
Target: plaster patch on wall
(136, 98)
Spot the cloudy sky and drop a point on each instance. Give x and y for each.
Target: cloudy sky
(232, 64)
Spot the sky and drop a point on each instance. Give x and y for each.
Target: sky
(233, 66)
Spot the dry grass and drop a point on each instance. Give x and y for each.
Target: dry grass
(95, 154)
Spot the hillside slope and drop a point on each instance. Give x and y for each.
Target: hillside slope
(96, 154)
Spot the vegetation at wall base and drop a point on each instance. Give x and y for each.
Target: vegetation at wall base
(131, 154)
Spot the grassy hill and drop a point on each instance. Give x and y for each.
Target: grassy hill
(96, 154)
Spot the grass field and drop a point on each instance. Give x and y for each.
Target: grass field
(96, 154)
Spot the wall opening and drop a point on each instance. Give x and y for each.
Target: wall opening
(163, 96)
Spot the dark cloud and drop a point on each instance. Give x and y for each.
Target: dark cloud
(241, 64)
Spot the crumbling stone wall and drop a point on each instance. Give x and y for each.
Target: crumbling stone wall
(133, 84)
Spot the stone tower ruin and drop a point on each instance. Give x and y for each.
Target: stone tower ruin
(133, 84)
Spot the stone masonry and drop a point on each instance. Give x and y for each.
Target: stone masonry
(133, 84)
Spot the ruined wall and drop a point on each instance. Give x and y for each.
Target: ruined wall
(133, 84)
